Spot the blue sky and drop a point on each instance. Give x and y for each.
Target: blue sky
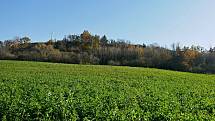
(139, 21)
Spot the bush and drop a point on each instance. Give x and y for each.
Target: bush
(114, 63)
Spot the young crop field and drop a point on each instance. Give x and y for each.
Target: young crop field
(49, 91)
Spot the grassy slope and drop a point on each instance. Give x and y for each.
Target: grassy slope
(36, 90)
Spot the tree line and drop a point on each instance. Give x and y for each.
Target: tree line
(93, 49)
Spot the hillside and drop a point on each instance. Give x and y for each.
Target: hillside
(50, 91)
(87, 48)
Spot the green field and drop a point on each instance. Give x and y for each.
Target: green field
(48, 91)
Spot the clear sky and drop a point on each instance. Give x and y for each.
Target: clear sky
(139, 21)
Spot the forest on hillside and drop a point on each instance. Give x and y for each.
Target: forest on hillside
(87, 48)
